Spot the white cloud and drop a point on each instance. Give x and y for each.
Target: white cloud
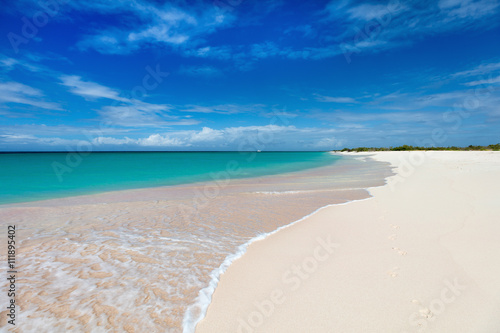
(264, 50)
(207, 134)
(9, 64)
(156, 140)
(489, 81)
(306, 30)
(136, 115)
(329, 143)
(483, 69)
(468, 9)
(341, 100)
(103, 140)
(150, 24)
(40, 129)
(224, 108)
(88, 89)
(367, 12)
(23, 139)
(266, 137)
(125, 111)
(214, 52)
(208, 71)
(390, 117)
(390, 24)
(444, 4)
(417, 108)
(18, 93)
(372, 27)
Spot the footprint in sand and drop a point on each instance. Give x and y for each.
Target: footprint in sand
(394, 226)
(425, 312)
(393, 272)
(392, 237)
(400, 252)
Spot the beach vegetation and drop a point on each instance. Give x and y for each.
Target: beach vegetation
(495, 147)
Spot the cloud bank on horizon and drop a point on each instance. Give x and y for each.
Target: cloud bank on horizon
(248, 75)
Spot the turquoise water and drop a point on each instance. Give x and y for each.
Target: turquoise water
(38, 176)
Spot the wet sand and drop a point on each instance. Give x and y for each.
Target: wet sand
(136, 260)
(422, 255)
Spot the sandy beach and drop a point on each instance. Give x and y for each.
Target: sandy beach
(136, 260)
(233, 166)
(421, 255)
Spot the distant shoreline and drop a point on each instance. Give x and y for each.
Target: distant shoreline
(492, 147)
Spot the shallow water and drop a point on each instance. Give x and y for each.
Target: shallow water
(136, 260)
(40, 176)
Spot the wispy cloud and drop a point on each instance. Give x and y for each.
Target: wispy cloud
(88, 89)
(367, 11)
(43, 130)
(18, 93)
(397, 117)
(245, 137)
(305, 30)
(365, 28)
(203, 71)
(141, 115)
(483, 93)
(429, 101)
(331, 99)
(372, 27)
(483, 69)
(124, 111)
(154, 140)
(9, 64)
(264, 50)
(228, 138)
(31, 140)
(224, 108)
(490, 81)
(415, 108)
(154, 24)
(224, 52)
(340, 26)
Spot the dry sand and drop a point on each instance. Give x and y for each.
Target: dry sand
(422, 255)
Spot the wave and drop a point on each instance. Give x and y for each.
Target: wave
(197, 311)
(309, 191)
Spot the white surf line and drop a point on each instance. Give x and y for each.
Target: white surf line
(191, 319)
(205, 295)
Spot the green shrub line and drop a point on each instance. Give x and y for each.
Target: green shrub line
(408, 148)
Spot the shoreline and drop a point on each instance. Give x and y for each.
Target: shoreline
(107, 243)
(131, 193)
(205, 295)
(252, 295)
(233, 170)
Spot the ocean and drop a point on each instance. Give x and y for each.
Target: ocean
(39, 176)
(135, 242)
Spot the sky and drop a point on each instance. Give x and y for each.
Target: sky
(248, 75)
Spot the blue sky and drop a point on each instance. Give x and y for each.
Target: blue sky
(248, 75)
